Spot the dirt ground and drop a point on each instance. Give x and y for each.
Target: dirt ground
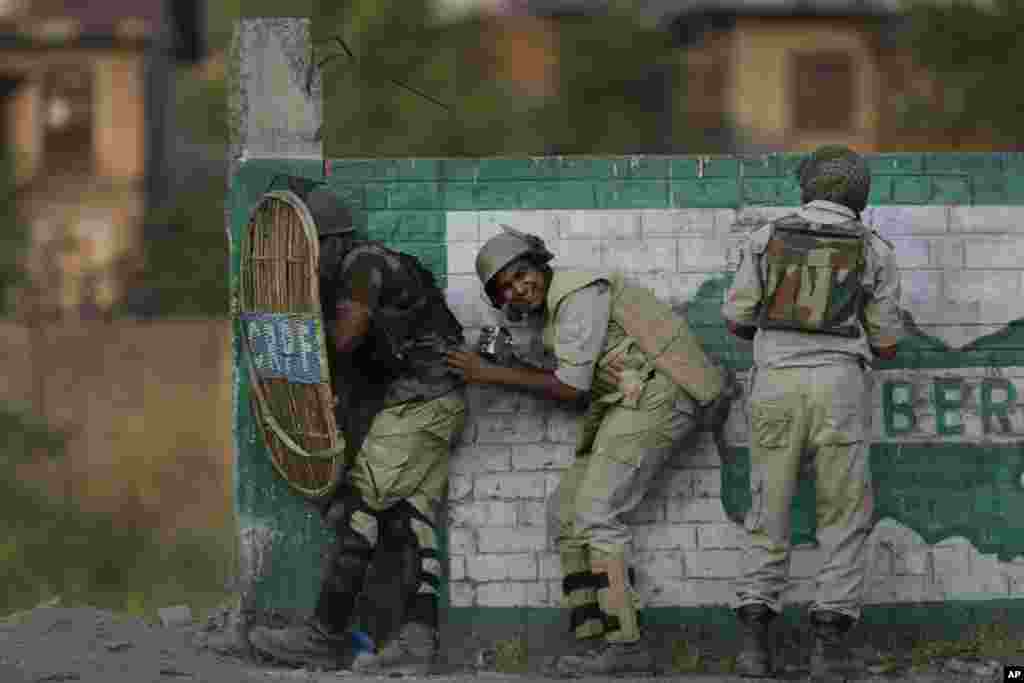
(88, 645)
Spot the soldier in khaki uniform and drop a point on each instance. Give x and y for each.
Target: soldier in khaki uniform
(401, 408)
(818, 294)
(647, 382)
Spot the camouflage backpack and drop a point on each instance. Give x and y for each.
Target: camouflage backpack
(814, 277)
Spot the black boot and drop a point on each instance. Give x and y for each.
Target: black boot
(756, 658)
(830, 661)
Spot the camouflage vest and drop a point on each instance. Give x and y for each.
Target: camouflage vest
(640, 319)
(814, 277)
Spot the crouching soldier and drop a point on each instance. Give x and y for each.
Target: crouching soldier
(648, 383)
(388, 328)
(817, 292)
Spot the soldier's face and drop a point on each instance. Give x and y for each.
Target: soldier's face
(521, 285)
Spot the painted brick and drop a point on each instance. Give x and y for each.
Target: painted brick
(638, 256)
(921, 289)
(994, 252)
(540, 223)
(501, 595)
(342, 170)
(707, 482)
(712, 564)
(483, 513)
(462, 226)
(496, 428)
(697, 254)
(654, 566)
(623, 224)
(488, 567)
(550, 567)
(531, 513)
(706, 167)
(705, 592)
(664, 537)
(909, 220)
(503, 540)
(552, 481)
(538, 595)
(675, 483)
(456, 568)
(509, 485)
(495, 399)
(542, 456)
(990, 219)
(766, 165)
(462, 257)
(638, 167)
(565, 194)
(563, 427)
(895, 164)
(585, 254)
(631, 194)
(963, 163)
(396, 226)
(413, 195)
(459, 486)
(713, 193)
(474, 459)
(462, 542)
(499, 168)
(672, 222)
(900, 589)
(650, 511)
(762, 191)
(989, 188)
(497, 195)
(720, 536)
(692, 510)
(986, 572)
(913, 252)
(950, 190)
(460, 196)
(981, 285)
(881, 190)
(461, 594)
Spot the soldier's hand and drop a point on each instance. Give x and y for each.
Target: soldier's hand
(468, 364)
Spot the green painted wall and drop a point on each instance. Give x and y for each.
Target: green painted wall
(938, 489)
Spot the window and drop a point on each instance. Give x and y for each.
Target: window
(68, 119)
(822, 91)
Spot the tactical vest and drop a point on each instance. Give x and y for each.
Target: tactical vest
(411, 307)
(814, 278)
(640, 318)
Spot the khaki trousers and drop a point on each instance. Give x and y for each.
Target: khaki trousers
(817, 414)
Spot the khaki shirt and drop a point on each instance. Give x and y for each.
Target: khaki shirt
(581, 327)
(881, 325)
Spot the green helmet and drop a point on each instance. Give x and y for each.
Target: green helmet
(503, 249)
(837, 174)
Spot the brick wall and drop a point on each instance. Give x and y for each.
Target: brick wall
(948, 488)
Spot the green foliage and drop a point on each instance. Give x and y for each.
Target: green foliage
(600, 105)
(186, 261)
(52, 547)
(13, 239)
(975, 51)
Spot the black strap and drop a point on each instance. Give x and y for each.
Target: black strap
(584, 613)
(578, 581)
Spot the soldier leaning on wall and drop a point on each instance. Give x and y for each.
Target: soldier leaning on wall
(818, 294)
(601, 330)
(389, 329)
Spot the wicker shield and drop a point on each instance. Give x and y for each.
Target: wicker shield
(284, 345)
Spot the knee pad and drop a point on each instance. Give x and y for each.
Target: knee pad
(403, 527)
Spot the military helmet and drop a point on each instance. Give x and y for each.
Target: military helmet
(503, 249)
(837, 174)
(331, 216)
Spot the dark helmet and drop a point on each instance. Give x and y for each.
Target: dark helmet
(331, 216)
(837, 174)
